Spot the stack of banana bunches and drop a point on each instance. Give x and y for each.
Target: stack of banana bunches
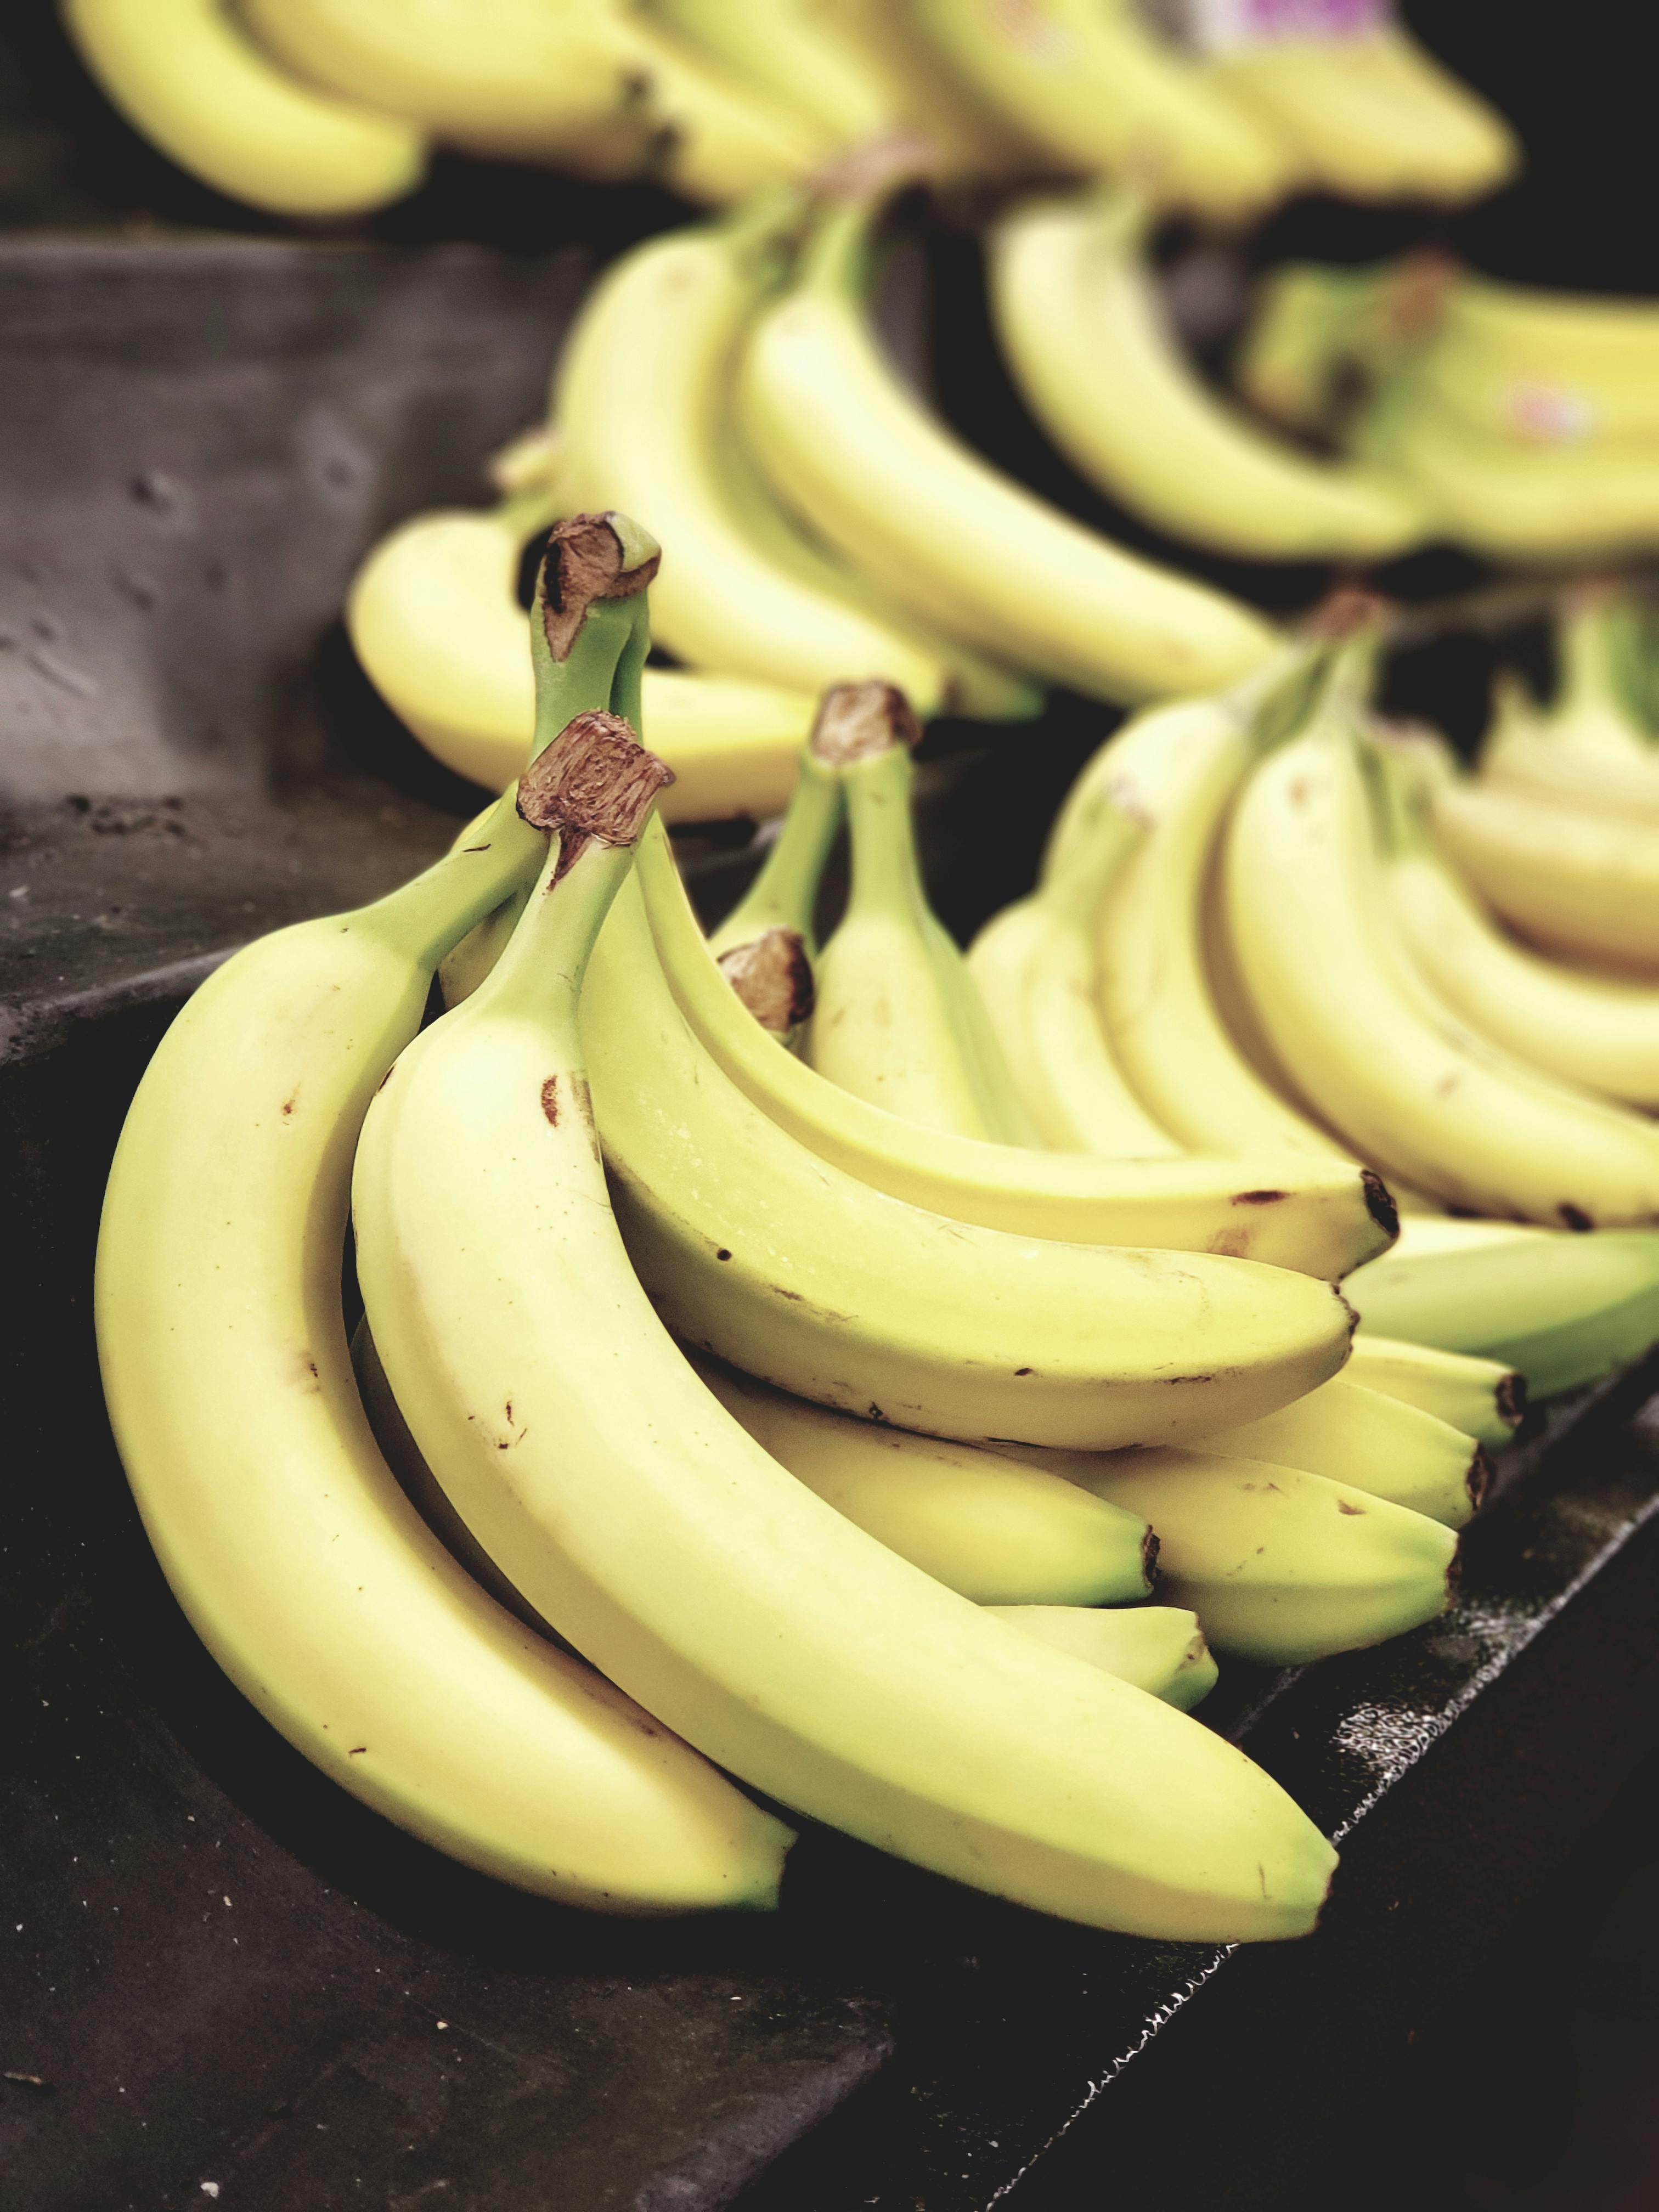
(875, 1377)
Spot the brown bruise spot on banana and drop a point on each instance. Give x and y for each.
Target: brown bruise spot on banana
(587, 559)
(1343, 1506)
(855, 720)
(581, 1091)
(1026, 1370)
(1511, 1399)
(1478, 1481)
(550, 1100)
(1574, 1217)
(772, 976)
(1230, 1244)
(289, 1105)
(310, 1382)
(1258, 1197)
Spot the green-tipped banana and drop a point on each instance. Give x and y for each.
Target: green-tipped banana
(297, 1558)
(640, 1520)
(998, 1532)
(851, 448)
(1159, 1648)
(1591, 748)
(1323, 1216)
(434, 616)
(1561, 1309)
(1280, 1565)
(884, 1025)
(1373, 1443)
(1484, 1397)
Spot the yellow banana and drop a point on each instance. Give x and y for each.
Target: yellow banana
(850, 447)
(645, 1523)
(1084, 333)
(1576, 884)
(1320, 1215)
(434, 617)
(1483, 1397)
(185, 74)
(1373, 1443)
(1159, 1648)
(1413, 1092)
(1280, 1565)
(517, 79)
(999, 1532)
(792, 52)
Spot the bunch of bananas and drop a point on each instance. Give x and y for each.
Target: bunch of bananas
(1523, 421)
(330, 107)
(834, 1427)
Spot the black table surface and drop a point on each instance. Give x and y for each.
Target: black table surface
(224, 1975)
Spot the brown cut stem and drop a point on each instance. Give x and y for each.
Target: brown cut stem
(591, 556)
(856, 719)
(773, 977)
(595, 780)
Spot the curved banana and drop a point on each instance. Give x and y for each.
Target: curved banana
(792, 52)
(1373, 1443)
(1369, 115)
(516, 79)
(999, 1532)
(884, 1024)
(637, 1516)
(1483, 1397)
(434, 616)
(959, 137)
(1321, 1215)
(757, 1250)
(1578, 884)
(1601, 765)
(1601, 1032)
(1174, 772)
(1085, 336)
(1159, 1648)
(1034, 966)
(850, 447)
(1545, 368)
(1413, 1092)
(1280, 1566)
(641, 392)
(1561, 1309)
(298, 1559)
(184, 74)
(1088, 84)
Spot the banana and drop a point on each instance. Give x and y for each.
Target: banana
(884, 1025)
(1545, 505)
(999, 1532)
(298, 1559)
(1034, 966)
(1369, 114)
(1299, 339)
(1280, 1565)
(1601, 765)
(852, 450)
(1575, 883)
(1563, 1310)
(645, 1523)
(792, 52)
(1159, 1648)
(511, 78)
(1483, 1397)
(758, 1251)
(1538, 369)
(1599, 1031)
(434, 616)
(1321, 1216)
(1084, 331)
(1373, 1443)
(960, 138)
(1173, 771)
(1090, 87)
(1413, 1091)
(185, 75)
(642, 391)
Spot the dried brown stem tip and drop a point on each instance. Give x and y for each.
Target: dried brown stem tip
(856, 719)
(589, 556)
(1343, 611)
(773, 977)
(595, 780)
